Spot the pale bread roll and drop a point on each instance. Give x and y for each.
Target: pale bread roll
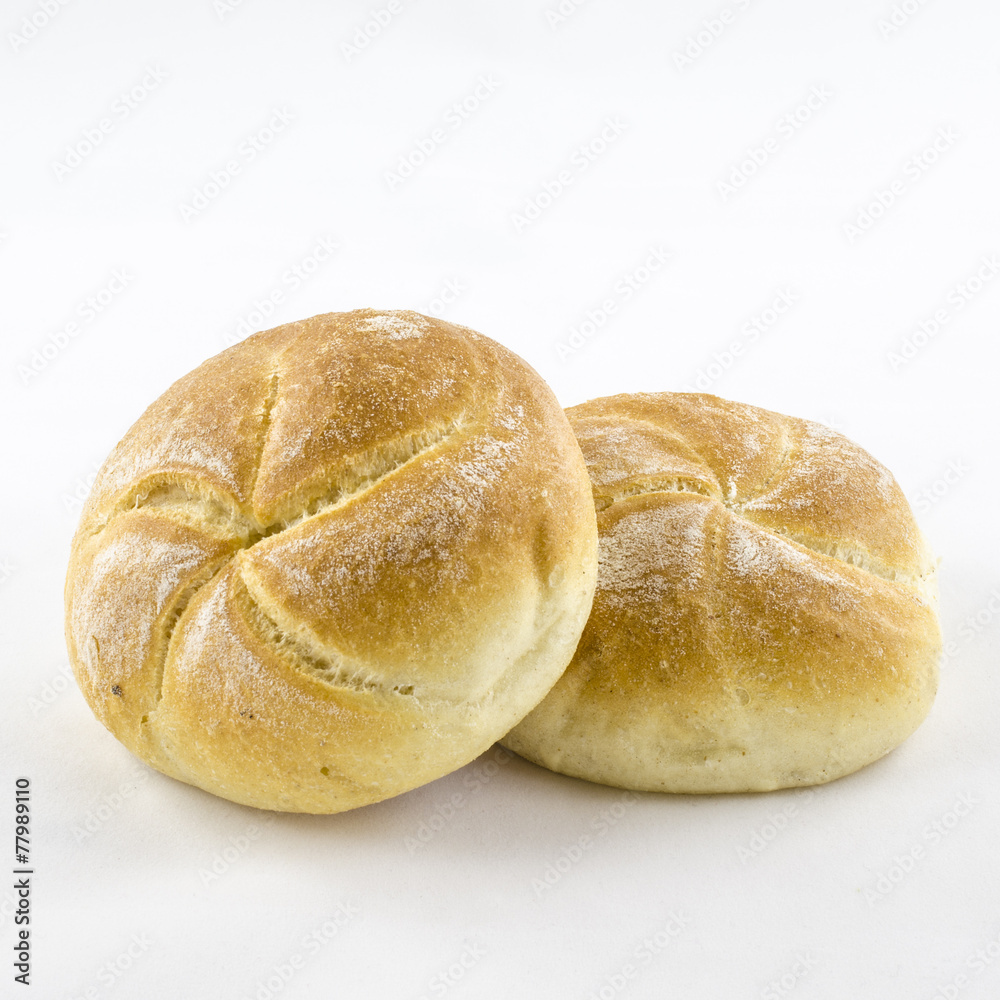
(765, 614)
(334, 562)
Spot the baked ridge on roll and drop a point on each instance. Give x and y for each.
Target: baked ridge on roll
(334, 562)
(765, 614)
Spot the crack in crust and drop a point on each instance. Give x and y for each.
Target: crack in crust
(362, 472)
(191, 503)
(852, 555)
(786, 454)
(838, 549)
(265, 426)
(327, 665)
(207, 574)
(197, 508)
(679, 484)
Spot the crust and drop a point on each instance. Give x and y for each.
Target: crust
(334, 562)
(766, 606)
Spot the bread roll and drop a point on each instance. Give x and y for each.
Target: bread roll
(765, 613)
(334, 562)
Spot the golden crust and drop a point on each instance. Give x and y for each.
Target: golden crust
(765, 613)
(334, 562)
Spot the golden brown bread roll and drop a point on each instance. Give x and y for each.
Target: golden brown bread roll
(765, 612)
(334, 562)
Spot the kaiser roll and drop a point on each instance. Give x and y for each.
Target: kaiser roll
(334, 562)
(765, 613)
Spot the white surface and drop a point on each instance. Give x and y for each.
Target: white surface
(137, 879)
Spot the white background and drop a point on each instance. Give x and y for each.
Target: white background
(772, 895)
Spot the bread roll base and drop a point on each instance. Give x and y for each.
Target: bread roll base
(765, 614)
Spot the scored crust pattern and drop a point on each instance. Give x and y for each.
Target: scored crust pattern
(794, 435)
(326, 664)
(196, 504)
(217, 500)
(200, 507)
(765, 613)
(309, 539)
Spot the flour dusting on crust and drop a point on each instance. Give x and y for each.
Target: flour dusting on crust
(122, 616)
(398, 325)
(648, 553)
(756, 552)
